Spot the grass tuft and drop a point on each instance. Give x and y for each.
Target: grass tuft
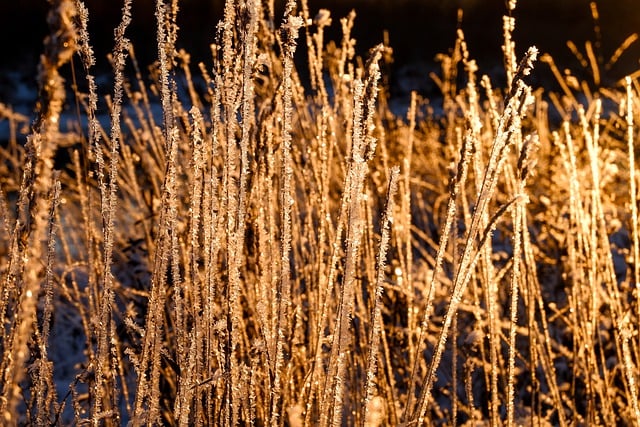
(258, 241)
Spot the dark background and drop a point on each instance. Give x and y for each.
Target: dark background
(418, 29)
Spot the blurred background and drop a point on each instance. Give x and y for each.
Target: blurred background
(418, 30)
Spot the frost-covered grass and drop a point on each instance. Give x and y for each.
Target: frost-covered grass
(221, 244)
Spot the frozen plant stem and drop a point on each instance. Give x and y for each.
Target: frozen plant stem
(633, 192)
(376, 318)
(290, 26)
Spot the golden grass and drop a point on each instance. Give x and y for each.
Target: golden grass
(266, 253)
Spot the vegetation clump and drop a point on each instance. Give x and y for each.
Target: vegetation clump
(278, 247)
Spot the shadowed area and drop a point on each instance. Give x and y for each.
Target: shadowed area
(418, 29)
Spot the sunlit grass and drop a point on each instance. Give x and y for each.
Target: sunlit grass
(271, 252)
